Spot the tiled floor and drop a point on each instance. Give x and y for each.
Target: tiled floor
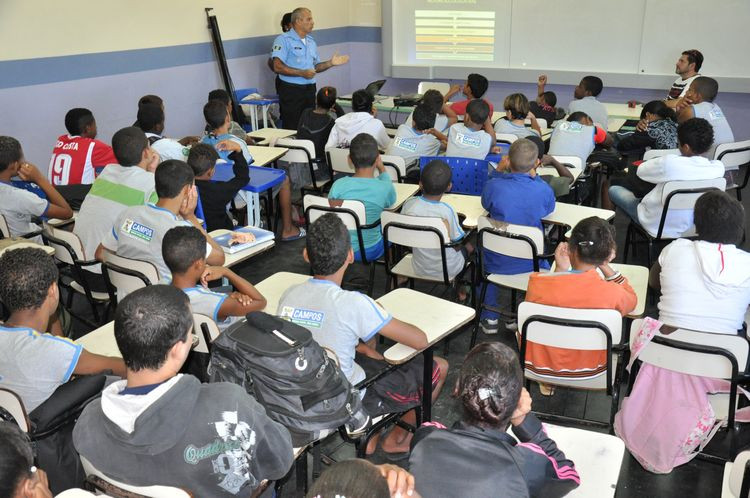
(698, 478)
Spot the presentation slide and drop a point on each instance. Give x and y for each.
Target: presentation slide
(450, 32)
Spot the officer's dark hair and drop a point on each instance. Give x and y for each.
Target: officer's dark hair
(149, 322)
(362, 101)
(424, 117)
(128, 145)
(592, 84)
(697, 133)
(215, 113)
(363, 150)
(76, 120)
(478, 85)
(171, 177)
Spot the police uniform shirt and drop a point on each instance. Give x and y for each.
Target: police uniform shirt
(296, 53)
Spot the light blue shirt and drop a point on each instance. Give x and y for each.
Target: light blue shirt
(293, 52)
(595, 110)
(375, 193)
(412, 144)
(207, 302)
(506, 126)
(212, 140)
(465, 142)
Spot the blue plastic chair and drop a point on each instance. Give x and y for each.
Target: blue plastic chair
(199, 209)
(469, 175)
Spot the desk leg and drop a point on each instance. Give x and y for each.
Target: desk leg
(253, 209)
(254, 116)
(427, 386)
(264, 110)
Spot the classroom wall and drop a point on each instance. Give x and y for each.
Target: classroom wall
(105, 55)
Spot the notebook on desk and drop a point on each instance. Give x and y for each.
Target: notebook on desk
(261, 236)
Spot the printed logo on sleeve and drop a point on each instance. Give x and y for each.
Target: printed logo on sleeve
(468, 140)
(715, 114)
(403, 143)
(276, 48)
(300, 316)
(137, 231)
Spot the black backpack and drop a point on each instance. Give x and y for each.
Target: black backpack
(280, 364)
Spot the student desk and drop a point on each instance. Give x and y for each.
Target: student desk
(58, 223)
(403, 192)
(638, 279)
(261, 180)
(101, 341)
(274, 286)
(21, 243)
(264, 103)
(570, 214)
(551, 171)
(265, 136)
(614, 124)
(265, 155)
(597, 458)
(437, 317)
(232, 259)
(469, 206)
(622, 111)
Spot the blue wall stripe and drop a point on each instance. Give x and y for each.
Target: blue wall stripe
(43, 70)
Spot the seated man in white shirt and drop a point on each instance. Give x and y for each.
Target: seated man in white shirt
(362, 119)
(688, 68)
(705, 283)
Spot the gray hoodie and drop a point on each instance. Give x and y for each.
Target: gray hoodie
(211, 439)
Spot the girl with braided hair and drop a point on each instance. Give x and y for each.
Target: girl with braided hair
(477, 457)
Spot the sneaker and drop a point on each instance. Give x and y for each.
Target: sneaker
(490, 326)
(511, 326)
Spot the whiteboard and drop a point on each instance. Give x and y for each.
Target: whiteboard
(577, 35)
(720, 29)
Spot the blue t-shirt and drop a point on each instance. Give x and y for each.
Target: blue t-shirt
(519, 199)
(375, 193)
(297, 54)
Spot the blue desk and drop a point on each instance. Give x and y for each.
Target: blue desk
(261, 180)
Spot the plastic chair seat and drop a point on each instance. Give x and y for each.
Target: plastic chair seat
(405, 268)
(519, 281)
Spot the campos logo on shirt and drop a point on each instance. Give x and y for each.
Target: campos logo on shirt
(405, 144)
(715, 114)
(467, 140)
(137, 231)
(572, 127)
(306, 318)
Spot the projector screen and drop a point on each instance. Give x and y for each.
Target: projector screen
(450, 32)
(629, 43)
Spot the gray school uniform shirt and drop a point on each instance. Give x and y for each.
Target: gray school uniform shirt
(441, 122)
(571, 138)
(207, 302)
(505, 126)
(595, 109)
(338, 319)
(429, 262)
(19, 206)
(714, 115)
(411, 144)
(138, 232)
(465, 142)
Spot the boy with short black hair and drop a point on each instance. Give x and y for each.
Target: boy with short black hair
(216, 195)
(475, 87)
(160, 427)
(434, 182)
(520, 197)
(544, 105)
(347, 324)
(375, 192)
(234, 127)
(695, 137)
(699, 103)
(78, 154)
(151, 121)
(445, 117)
(184, 252)
(19, 206)
(130, 182)
(585, 100)
(138, 231)
(218, 120)
(362, 119)
(315, 124)
(475, 137)
(419, 139)
(34, 364)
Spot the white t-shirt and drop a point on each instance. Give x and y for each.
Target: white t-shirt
(19, 206)
(506, 126)
(465, 142)
(680, 87)
(207, 302)
(168, 148)
(411, 144)
(350, 125)
(704, 286)
(595, 110)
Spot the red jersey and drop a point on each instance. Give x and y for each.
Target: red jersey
(460, 107)
(74, 160)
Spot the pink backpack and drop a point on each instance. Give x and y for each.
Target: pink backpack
(667, 419)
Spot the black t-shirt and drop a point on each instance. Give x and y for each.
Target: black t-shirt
(541, 113)
(215, 196)
(316, 127)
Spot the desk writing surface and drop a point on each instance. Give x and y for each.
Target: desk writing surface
(436, 317)
(638, 279)
(232, 259)
(403, 192)
(614, 124)
(468, 205)
(571, 214)
(101, 341)
(266, 135)
(264, 155)
(622, 111)
(274, 286)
